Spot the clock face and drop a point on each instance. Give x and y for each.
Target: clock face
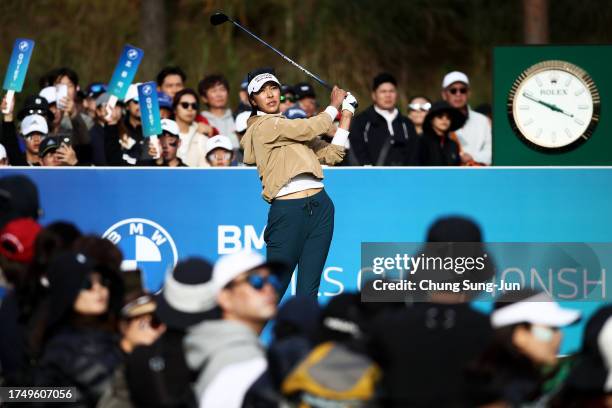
(554, 105)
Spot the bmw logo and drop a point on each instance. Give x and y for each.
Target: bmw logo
(147, 246)
(132, 54)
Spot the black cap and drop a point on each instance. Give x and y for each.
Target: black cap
(382, 78)
(437, 108)
(304, 90)
(18, 198)
(287, 89)
(35, 105)
(95, 89)
(48, 145)
(67, 272)
(191, 279)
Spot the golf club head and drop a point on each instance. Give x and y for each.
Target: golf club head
(218, 18)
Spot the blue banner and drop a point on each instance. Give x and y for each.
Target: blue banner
(149, 109)
(18, 65)
(159, 216)
(125, 71)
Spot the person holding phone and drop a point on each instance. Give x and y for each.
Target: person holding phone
(288, 155)
(74, 123)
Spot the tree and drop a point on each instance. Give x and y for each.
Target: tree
(535, 14)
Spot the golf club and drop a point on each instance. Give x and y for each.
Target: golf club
(220, 18)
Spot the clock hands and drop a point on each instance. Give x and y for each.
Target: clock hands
(550, 106)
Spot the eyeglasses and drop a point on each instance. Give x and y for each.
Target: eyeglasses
(187, 105)
(454, 91)
(423, 107)
(34, 135)
(219, 156)
(257, 282)
(284, 98)
(542, 333)
(88, 282)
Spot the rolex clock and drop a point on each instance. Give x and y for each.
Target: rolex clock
(554, 106)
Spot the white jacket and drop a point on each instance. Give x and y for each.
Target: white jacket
(475, 137)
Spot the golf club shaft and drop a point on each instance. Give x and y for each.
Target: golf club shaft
(295, 64)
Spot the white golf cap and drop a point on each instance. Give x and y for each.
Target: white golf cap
(2, 152)
(170, 126)
(452, 77)
(34, 123)
(218, 142)
(49, 93)
(241, 121)
(132, 93)
(230, 266)
(538, 309)
(259, 81)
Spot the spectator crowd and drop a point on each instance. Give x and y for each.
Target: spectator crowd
(66, 124)
(70, 315)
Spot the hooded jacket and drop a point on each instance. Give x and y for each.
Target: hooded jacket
(283, 148)
(218, 349)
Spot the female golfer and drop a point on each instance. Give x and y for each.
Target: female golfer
(288, 154)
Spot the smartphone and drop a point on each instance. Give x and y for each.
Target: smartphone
(66, 140)
(61, 91)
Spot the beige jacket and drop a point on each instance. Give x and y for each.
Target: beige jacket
(193, 148)
(284, 148)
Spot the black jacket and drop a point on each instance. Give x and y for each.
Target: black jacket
(9, 140)
(116, 155)
(369, 133)
(437, 151)
(80, 357)
(424, 347)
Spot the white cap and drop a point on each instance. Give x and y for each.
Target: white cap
(230, 266)
(259, 81)
(170, 126)
(49, 93)
(452, 77)
(34, 123)
(538, 309)
(2, 152)
(241, 121)
(218, 142)
(132, 93)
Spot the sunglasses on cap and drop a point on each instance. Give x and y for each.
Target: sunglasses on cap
(187, 105)
(454, 91)
(423, 107)
(88, 283)
(257, 282)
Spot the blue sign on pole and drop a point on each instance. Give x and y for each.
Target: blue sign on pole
(149, 109)
(18, 65)
(125, 71)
